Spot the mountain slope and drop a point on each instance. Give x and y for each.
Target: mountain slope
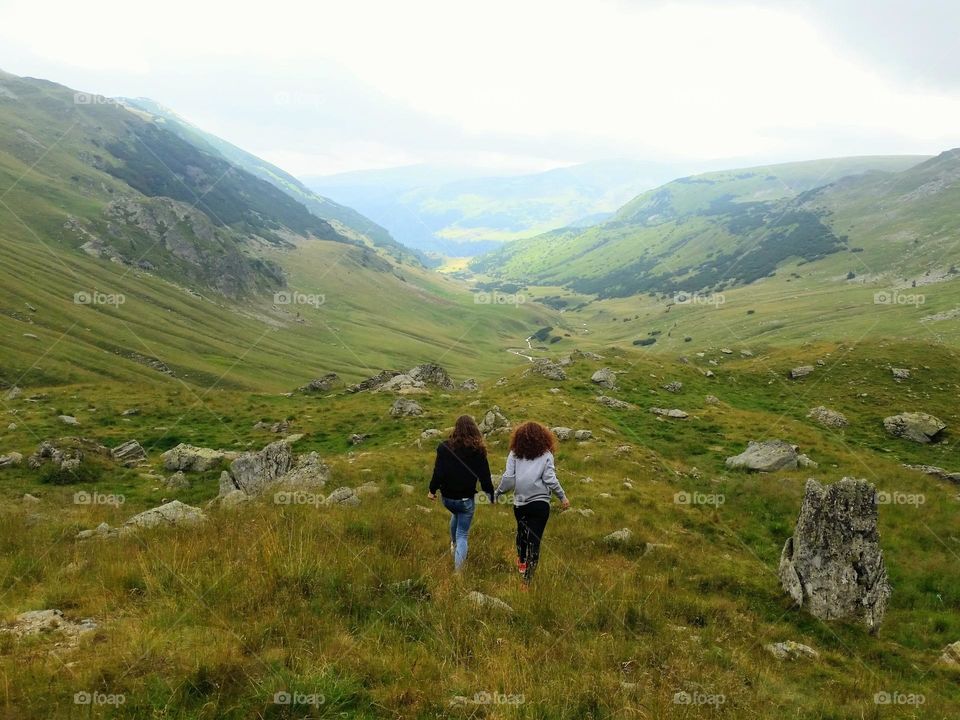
(320, 206)
(695, 234)
(459, 213)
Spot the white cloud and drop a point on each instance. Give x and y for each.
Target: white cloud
(544, 82)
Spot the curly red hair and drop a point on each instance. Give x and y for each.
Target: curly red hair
(531, 440)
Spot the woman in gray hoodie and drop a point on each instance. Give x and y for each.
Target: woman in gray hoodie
(532, 476)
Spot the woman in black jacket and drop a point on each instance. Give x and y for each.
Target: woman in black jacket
(461, 463)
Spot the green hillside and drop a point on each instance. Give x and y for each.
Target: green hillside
(350, 220)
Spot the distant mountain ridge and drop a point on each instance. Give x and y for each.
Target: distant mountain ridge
(699, 233)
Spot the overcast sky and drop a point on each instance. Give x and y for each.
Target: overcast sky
(516, 85)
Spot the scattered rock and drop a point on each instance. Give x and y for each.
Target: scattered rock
(469, 385)
(172, 514)
(828, 418)
(605, 378)
(800, 372)
(69, 420)
(618, 537)
(582, 435)
(951, 655)
(936, 472)
(562, 433)
(404, 407)
(833, 564)
(429, 434)
(766, 456)
(11, 427)
(916, 426)
(407, 489)
(192, 459)
(671, 413)
(13, 393)
(373, 382)
(11, 459)
(712, 400)
(491, 603)
(322, 384)
(494, 421)
(585, 355)
(502, 381)
(130, 412)
(343, 496)
(549, 369)
(177, 481)
(32, 499)
(790, 650)
(900, 373)
(129, 453)
(42, 622)
(674, 387)
(613, 402)
(805, 462)
(404, 384)
(357, 438)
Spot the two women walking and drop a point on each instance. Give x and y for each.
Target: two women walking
(530, 474)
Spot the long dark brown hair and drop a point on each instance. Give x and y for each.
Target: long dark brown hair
(466, 435)
(531, 440)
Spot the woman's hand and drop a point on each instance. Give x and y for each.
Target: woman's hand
(432, 496)
(565, 503)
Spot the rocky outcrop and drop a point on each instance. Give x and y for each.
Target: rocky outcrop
(343, 496)
(833, 565)
(252, 472)
(404, 407)
(192, 459)
(402, 383)
(790, 650)
(674, 387)
(800, 372)
(916, 426)
(937, 472)
(469, 385)
(11, 459)
(43, 622)
(308, 471)
(494, 421)
(828, 418)
(432, 374)
(374, 382)
(129, 454)
(605, 378)
(900, 373)
(171, 514)
(322, 384)
(549, 369)
(766, 456)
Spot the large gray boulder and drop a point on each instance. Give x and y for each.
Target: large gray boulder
(309, 471)
(916, 426)
(833, 565)
(549, 369)
(605, 378)
(766, 456)
(172, 514)
(404, 407)
(562, 433)
(494, 421)
(432, 374)
(252, 472)
(192, 459)
(322, 384)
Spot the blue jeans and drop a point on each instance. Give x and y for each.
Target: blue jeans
(461, 512)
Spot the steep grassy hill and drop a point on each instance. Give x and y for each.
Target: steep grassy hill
(347, 218)
(699, 233)
(355, 613)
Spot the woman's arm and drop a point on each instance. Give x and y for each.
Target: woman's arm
(486, 481)
(509, 479)
(437, 472)
(551, 481)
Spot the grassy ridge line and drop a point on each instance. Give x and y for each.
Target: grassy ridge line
(190, 629)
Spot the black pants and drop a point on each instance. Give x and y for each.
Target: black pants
(531, 522)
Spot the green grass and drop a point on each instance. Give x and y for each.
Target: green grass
(212, 622)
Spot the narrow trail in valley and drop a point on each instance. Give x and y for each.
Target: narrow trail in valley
(522, 354)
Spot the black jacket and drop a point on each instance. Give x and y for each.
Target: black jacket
(456, 474)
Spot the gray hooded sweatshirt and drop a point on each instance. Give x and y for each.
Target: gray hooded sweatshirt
(531, 480)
